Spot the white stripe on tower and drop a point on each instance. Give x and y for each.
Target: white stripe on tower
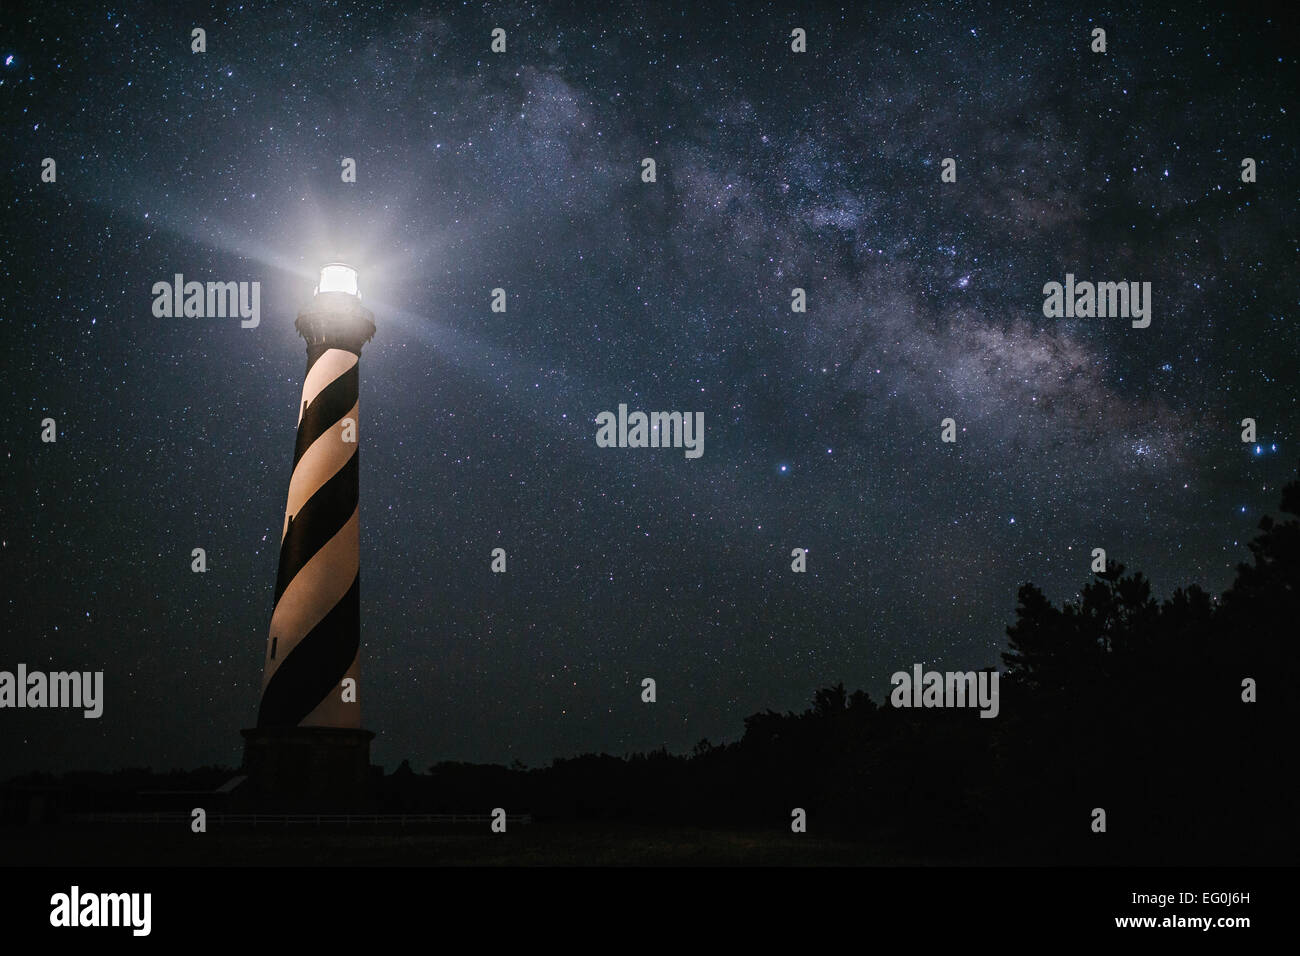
(331, 364)
(319, 463)
(319, 586)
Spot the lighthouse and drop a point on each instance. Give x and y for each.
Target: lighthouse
(308, 748)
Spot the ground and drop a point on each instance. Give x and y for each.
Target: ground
(524, 845)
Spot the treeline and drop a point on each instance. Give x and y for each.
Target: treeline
(1175, 718)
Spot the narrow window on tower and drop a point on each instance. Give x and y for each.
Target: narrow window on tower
(274, 641)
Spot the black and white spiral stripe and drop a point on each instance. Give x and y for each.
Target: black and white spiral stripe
(315, 632)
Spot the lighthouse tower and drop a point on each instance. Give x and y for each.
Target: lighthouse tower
(308, 747)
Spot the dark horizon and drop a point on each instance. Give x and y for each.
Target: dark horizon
(1117, 701)
(1259, 590)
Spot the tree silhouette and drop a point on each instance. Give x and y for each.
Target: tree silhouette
(1112, 699)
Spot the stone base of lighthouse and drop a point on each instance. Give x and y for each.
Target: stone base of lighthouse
(307, 768)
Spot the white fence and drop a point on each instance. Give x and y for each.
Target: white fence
(290, 819)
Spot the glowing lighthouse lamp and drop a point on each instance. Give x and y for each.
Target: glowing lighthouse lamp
(308, 746)
(338, 277)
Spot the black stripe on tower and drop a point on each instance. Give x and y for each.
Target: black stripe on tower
(316, 666)
(317, 521)
(326, 410)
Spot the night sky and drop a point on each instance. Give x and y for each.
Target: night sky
(522, 170)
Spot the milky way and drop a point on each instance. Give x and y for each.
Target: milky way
(522, 170)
